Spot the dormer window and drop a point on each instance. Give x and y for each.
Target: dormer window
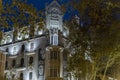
(14, 49)
(31, 46)
(9, 39)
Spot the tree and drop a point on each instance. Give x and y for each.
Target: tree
(95, 39)
(17, 14)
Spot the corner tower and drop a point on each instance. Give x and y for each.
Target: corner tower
(54, 21)
(53, 55)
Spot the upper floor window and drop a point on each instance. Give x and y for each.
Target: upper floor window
(14, 49)
(55, 39)
(31, 46)
(23, 48)
(54, 55)
(9, 39)
(7, 49)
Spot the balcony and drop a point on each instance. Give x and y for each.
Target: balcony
(20, 67)
(12, 56)
(16, 67)
(30, 53)
(54, 78)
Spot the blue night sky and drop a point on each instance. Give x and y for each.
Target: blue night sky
(40, 4)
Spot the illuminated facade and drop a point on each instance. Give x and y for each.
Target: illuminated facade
(41, 57)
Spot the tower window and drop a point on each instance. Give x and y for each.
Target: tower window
(55, 39)
(54, 55)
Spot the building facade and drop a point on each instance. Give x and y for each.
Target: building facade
(41, 57)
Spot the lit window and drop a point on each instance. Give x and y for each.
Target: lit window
(54, 55)
(53, 72)
(9, 39)
(55, 39)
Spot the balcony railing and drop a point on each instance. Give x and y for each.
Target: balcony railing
(30, 53)
(20, 67)
(12, 56)
(16, 67)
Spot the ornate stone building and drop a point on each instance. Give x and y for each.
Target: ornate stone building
(41, 57)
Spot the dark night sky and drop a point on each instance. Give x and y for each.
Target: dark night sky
(40, 4)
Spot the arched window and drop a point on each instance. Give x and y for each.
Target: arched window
(23, 48)
(31, 60)
(21, 76)
(30, 76)
(13, 63)
(55, 39)
(22, 62)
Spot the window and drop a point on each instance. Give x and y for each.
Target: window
(14, 49)
(55, 39)
(30, 76)
(53, 72)
(31, 46)
(7, 50)
(23, 48)
(21, 76)
(39, 55)
(54, 55)
(22, 62)
(13, 63)
(31, 60)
